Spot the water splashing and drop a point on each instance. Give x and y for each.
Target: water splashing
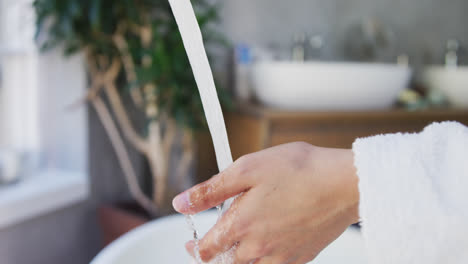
(193, 42)
(191, 224)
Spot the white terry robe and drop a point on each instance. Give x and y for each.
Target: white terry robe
(414, 195)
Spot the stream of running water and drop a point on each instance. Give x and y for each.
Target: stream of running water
(193, 42)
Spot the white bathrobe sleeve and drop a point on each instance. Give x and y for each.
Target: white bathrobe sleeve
(414, 195)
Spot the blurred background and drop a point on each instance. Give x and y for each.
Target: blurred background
(101, 123)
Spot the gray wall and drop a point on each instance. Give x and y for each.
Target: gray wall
(63, 129)
(67, 236)
(421, 26)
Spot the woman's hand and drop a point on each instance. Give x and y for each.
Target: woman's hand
(295, 200)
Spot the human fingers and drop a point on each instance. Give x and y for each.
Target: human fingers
(250, 252)
(269, 260)
(226, 233)
(228, 183)
(190, 246)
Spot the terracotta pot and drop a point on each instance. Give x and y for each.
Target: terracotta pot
(117, 220)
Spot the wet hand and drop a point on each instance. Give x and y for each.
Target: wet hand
(295, 200)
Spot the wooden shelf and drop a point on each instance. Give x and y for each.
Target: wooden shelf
(252, 128)
(265, 112)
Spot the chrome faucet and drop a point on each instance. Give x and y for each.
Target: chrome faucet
(451, 55)
(305, 48)
(299, 47)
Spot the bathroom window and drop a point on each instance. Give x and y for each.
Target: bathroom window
(18, 77)
(38, 129)
(36, 90)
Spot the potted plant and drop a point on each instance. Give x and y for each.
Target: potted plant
(135, 47)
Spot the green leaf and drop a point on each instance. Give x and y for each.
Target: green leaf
(75, 24)
(95, 15)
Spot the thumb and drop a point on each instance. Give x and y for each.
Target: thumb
(213, 192)
(190, 247)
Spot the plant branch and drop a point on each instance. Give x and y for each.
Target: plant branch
(122, 118)
(169, 136)
(107, 79)
(122, 155)
(188, 155)
(98, 80)
(159, 162)
(129, 67)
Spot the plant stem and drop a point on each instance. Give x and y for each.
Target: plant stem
(159, 162)
(122, 118)
(123, 157)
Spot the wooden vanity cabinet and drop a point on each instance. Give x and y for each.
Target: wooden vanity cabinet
(252, 128)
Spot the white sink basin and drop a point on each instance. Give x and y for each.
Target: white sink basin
(162, 242)
(327, 85)
(453, 82)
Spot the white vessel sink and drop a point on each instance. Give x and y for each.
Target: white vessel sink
(453, 82)
(328, 85)
(162, 242)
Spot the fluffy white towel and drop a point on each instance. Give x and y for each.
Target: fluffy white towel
(414, 195)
